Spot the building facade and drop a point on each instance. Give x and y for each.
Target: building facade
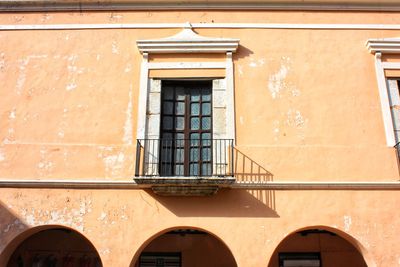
(198, 133)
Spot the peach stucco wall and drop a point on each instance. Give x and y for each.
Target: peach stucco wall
(306, 107)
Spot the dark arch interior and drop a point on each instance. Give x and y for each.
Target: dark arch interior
(56, 247)
(316, 248)
(185, 248)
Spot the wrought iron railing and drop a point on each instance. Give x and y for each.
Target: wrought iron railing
(184, 157)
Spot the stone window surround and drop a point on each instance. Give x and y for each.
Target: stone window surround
(379, 47)
(187, 41)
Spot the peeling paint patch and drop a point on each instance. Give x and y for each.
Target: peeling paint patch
(128, 68)
(12, 114)
(104, 252)
(240, 70)
(102, 216)
(15, 224)
(114, 163)
(45, 165)
(296, 119)
(2, 155)
(46, 17)
(68, 216)
(114, 47)
(115, 17)
(276, 82)
(128, 137)
(73, 71)
(276, 130)
(347, 222)
(71, 86)
(22, 75)
(2, 61)
(256, 63)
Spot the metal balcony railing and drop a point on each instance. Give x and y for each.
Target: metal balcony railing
(184, 158)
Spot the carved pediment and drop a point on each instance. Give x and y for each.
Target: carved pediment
(187, 41)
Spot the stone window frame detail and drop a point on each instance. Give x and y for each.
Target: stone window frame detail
(186, 41)
(380, 47)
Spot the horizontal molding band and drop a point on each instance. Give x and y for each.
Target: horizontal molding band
(31, 6)
(294, 26)
(186, 65)
(131, 185)
(317, 186)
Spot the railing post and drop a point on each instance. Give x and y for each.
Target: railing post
(137, 165)
(232, 161)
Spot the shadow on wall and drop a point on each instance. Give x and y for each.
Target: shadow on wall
(229, 202)
(249, 171)
(226, 203)
(10, 227)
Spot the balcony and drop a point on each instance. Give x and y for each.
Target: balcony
(185, 166)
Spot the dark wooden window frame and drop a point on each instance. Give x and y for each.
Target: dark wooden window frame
(187, 86)
(161, 254)
(282, 256)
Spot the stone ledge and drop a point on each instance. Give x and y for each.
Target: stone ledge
(191, 191)
(182, 181)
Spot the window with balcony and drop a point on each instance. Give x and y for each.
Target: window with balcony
(186, 122)
(186, 130)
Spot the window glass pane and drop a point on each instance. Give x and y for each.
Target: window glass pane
(206, 108)
(194, 142)
(206, 169)
(206, 123)
(194, 169)
(206, 136)
(206, 154)
(168, 93)
(206, 95)
(179, 136)
(179, 155)
(167, 122)
(195, 123)
(195, 95)
(166, 153)
(195, 109)
(166, 169)
(166, 137)
(180, 93)
(194, 154)
(168, 108)
(194, 136)
(206, 142)
(180, 142)
(180, 108)
(180, 123)
(178, 170)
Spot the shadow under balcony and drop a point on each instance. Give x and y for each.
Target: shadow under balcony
(185, 166)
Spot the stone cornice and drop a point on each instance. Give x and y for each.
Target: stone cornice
(80, 5)
(388, 46)
(187, 41)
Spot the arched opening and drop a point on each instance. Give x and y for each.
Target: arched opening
(55, 247)
(185, 247)
(316, 247)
